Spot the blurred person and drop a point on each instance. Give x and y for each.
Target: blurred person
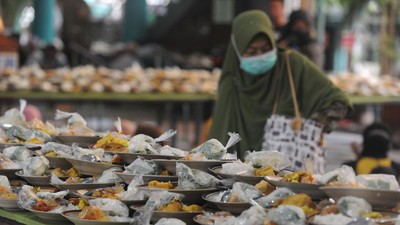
(48, 57)
(133, 128)
(275, 12)
(299, 35)
(254, 85)
(373, 158)
(32, 112)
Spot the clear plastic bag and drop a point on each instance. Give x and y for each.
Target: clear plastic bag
(36, 166)
(262, 159)
(112, 206)
(378, 181)
(143, 166)
(237, 167)
(277, 194)
(213, 149)
(190, 179)
(4, 182)
(18, 153)
(353, 207)
(14, 116)
(108, 176)
(242, 192)
(344, 175)
(59, 149)
(170, 221)
(7, 163)
(287, 215)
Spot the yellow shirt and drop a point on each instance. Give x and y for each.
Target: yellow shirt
(365, 165)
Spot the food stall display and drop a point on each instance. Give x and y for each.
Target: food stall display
(91, 79)
(204, 185)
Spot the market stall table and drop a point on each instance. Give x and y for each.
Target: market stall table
(28, 218)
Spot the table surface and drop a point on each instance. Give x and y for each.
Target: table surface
(25, 217)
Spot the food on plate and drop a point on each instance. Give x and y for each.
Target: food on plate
(265, 187)
(72, 172)
(113, 142)
(213, 149)
(142, 166)
(93, 213)
(5, 189)
(301, 200)
(267, 171)
(160, 184)
(286, 214)
(36, 166)
(76, 125)
(299, 177)
(242, 192)
(190, 179)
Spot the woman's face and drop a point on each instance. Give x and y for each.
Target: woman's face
(257, 46)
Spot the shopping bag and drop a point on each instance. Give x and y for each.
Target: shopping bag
(300, 139)
(299, 146)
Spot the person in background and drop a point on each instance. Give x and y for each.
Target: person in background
(275, 12)
(255, 73)
(299, 35)
(32, 112)
(48, 57)
(373, 158)
(134, 128)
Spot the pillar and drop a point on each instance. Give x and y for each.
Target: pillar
(135, 20)
(43, 24)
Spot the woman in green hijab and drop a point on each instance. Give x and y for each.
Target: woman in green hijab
(254, 77)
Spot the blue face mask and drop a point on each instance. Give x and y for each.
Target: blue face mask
(256, 65)
(260, 64)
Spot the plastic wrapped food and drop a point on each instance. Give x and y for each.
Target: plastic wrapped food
(113, 206)
(287, 215)
(277, 194)
(170, 221)
(161, 199)
(36, 166)
(59, 149)
(143, 166)
(143, 144)
(353, 206)
(4, 182)
(14, 116)
(7, 163)
(213, 149)
(237, 168)
(168, 150)
(242, 192)
(132, 193)
(15, 134)
(191, 179)
(108, 176)
(36, 136)
(78, 152)
(262, 159)
(343, 175)
(255, 215)
(73, 118)
(18, 153)
(378, 181)
(331, 219)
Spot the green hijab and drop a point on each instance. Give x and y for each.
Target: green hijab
(245, 102)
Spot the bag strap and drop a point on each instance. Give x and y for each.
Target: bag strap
(297, 121)
(278, 93)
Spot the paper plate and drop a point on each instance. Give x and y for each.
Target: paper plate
(202, 165)
(9, 173)
(35, 180)
(128, 158)
(191, 196)
(146, 178)
(72, 215)
(82, 141)
(310, 189)
(49, 216)
(59, 162)
(82, 186)
(91, 168)
(232, 207)
(379, 199)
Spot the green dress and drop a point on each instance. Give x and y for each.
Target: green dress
(245, 102)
